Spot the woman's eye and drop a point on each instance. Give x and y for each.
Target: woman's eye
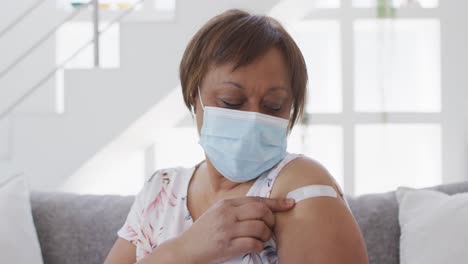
(274, 108)
(231, 104)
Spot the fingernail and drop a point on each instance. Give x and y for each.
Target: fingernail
(290, 201)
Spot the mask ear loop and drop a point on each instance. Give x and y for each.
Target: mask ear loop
(199, 97)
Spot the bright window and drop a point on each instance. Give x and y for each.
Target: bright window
(397, 3)
(319, 42)
(390, 155)
(397, 65)
(373, 114)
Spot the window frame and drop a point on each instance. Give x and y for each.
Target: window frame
(349, 118)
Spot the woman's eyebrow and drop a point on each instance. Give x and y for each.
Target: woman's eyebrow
(278, 88)
(234, 84)
(241, 87)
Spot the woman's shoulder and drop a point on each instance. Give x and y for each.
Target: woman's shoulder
(302, 171)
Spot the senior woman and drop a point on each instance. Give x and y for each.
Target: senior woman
(245, 79)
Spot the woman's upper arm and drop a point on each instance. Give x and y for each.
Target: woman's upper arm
(123, 252)
(319, 229)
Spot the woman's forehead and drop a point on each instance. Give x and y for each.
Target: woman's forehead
(267, 71)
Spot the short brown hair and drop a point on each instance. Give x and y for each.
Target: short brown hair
(238, 37)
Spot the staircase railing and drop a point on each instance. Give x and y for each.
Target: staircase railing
(41, 40)
(61, 66)
(17, 20)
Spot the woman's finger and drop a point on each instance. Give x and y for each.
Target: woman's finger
(255, 211)
(244, 245)
(252, 228)
(279, 205)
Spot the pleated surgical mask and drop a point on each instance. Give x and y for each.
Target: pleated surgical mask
(242, 145)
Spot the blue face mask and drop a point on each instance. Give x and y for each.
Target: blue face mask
(242, 145)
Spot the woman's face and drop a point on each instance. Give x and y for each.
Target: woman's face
(262, 86)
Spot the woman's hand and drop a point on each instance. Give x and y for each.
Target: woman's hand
(231, 228)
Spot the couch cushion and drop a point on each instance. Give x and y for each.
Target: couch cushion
(444, 215)
(377, 216)
(18, 242)
(77, 228)
(82, 228)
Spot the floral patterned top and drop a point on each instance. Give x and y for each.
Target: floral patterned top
(160, 211)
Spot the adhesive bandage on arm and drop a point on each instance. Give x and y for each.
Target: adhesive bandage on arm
(311, 191)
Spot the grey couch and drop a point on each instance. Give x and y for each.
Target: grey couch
(82, 228)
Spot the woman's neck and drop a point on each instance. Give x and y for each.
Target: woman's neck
(207, 186)
(216, 186)
(215, 182)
